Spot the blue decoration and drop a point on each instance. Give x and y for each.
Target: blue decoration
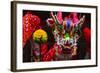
(68, 23)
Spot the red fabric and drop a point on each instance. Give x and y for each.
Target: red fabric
(50, 55)
(44, 48)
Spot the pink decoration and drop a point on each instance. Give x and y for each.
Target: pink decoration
(59, 16)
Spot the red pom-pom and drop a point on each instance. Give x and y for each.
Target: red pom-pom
(87, 35)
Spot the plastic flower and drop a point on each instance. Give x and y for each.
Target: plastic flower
(40, 36)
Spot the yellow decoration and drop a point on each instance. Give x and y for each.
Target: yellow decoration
(40, 36)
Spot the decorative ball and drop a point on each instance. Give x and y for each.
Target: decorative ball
(40, 36)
